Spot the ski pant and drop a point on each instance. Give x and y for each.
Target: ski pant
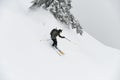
(54, 42)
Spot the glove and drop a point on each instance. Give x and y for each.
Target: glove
(63, 36)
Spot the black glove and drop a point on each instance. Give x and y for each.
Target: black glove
(63, 36)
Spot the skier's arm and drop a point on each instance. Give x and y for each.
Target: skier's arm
(61, 36)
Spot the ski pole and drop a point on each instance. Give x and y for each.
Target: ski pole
(68, 39)
(71, 41)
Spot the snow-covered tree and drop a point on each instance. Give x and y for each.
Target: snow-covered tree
(61, 11)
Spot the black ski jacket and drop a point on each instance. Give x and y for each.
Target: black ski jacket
(54, 33)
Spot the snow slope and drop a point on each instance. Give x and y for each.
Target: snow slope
(24, 57)
(101, 19)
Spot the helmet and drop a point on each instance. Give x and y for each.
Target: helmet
(60, 30)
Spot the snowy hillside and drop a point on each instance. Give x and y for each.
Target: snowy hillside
(24, 57)
(101, 19)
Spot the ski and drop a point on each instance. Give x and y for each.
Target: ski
(59, 51)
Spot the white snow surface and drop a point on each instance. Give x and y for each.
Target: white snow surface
(24, 57)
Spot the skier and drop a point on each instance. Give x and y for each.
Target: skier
(54, 33)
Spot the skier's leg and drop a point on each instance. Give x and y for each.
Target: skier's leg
(54, 43)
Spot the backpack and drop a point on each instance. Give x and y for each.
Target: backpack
(52, 32)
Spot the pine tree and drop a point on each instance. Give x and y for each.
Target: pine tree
(61, 11)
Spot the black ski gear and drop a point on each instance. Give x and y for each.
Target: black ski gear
(54, 33)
